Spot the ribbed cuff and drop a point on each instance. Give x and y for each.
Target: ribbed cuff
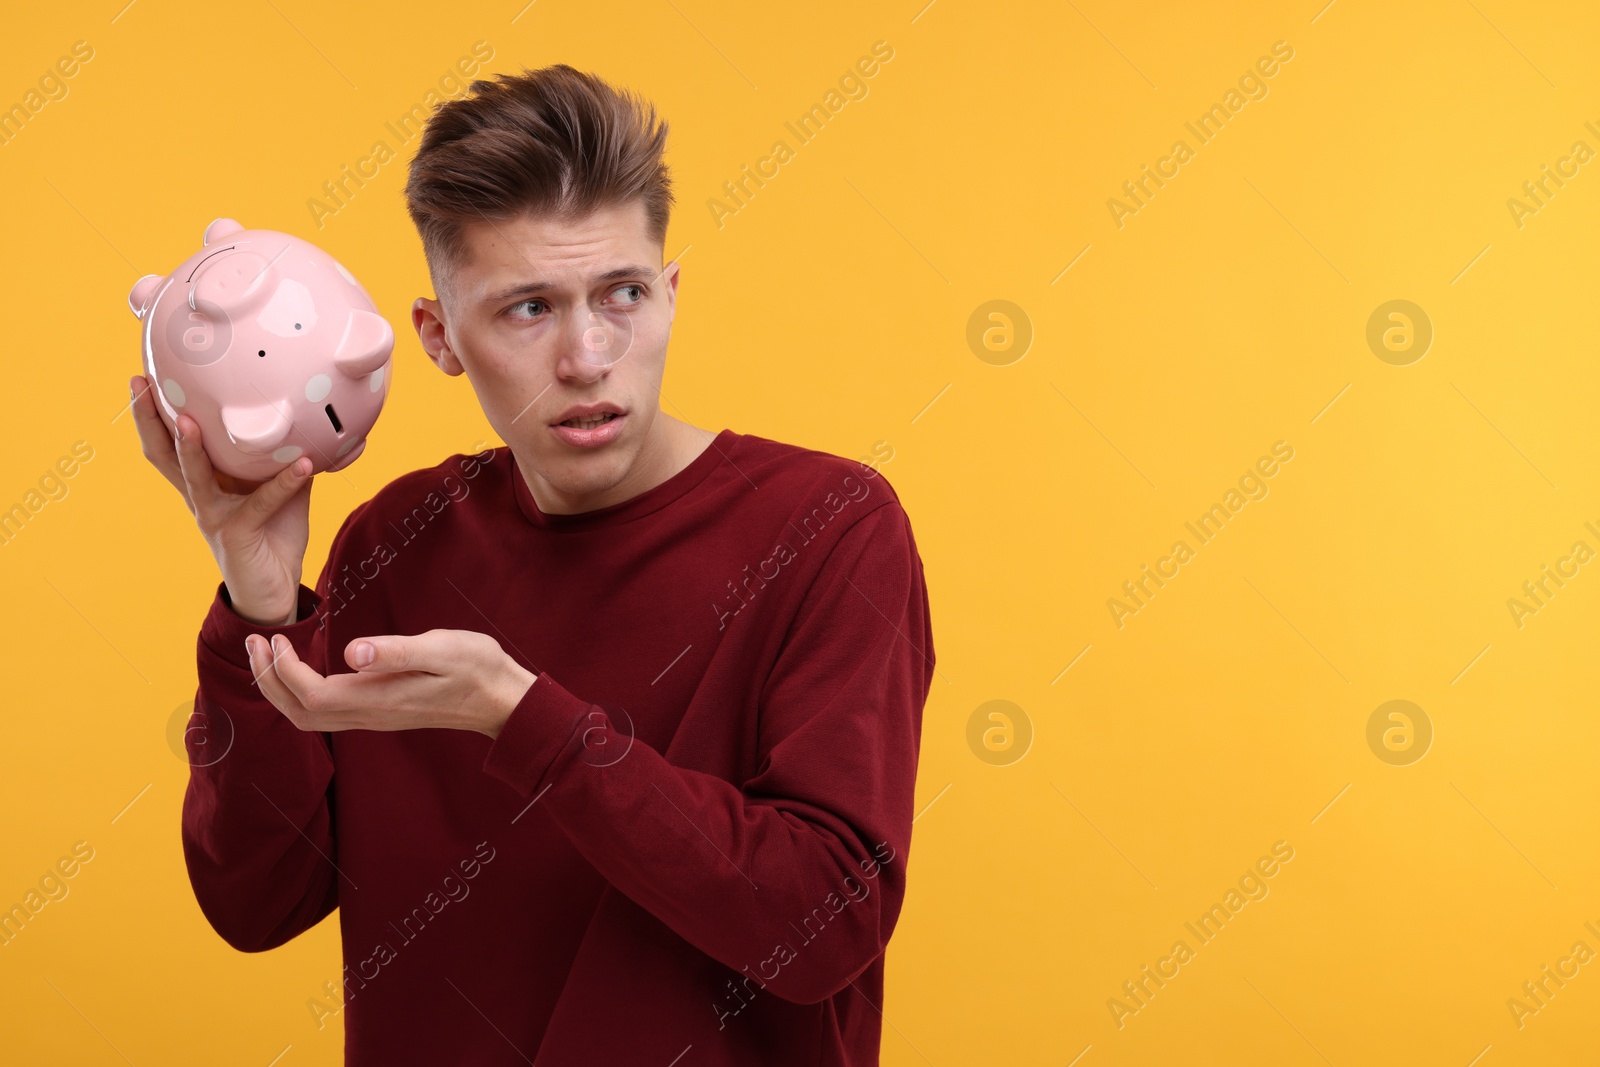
(223, 631)
(547, 721)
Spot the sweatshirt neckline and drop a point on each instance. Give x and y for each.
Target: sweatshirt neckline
(641, 504)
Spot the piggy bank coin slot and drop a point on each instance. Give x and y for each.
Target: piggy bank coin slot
(190, 279)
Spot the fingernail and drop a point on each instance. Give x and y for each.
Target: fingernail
(364, 654)
(178, 425)
(133, 388)
(280, 644)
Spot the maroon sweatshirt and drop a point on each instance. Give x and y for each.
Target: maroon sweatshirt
(688, 844)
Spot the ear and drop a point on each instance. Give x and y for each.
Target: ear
(219, 229)
(143, 291)
(368, 340)
(426, 316)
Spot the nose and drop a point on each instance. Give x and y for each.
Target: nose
(235, 280)
(592, 344)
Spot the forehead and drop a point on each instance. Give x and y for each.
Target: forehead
(543, 248)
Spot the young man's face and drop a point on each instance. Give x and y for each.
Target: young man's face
(546, 315)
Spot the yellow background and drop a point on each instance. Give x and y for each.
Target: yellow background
(829, 311)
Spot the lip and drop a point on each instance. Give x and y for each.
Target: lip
(600, 435)
(579, 410)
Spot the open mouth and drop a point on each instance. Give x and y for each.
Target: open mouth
(589, 422)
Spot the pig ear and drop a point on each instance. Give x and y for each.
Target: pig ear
(143, 289)
(219, 229)
(255, 428)
(368, 340)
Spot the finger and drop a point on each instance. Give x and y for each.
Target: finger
(237, 486)
(265, 501)
(262, 666)
(297, 678)
(198, 475)
(155, 440)
(434, 652)
(337, 702)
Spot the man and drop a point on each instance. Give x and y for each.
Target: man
(602, 741)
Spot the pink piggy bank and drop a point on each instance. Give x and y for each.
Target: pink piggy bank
(271, 346)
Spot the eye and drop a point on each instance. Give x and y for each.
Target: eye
(637, 288)
(523, 304)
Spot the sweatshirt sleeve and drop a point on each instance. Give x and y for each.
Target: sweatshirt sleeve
(748, 871)
(257, 823)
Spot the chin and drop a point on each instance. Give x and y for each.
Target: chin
(584, 469)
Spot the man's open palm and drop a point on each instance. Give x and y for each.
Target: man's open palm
(442, 679)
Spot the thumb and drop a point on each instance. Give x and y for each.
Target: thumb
(392, 653)
(267, 498)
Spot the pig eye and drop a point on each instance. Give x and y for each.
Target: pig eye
(262, 352)
(297, 325)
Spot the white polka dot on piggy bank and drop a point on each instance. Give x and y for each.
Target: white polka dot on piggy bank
(271, 345)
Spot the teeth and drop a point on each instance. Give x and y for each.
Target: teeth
(589, 422)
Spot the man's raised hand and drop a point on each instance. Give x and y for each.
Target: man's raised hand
(256, 532)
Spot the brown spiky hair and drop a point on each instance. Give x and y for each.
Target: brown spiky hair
(553, 141)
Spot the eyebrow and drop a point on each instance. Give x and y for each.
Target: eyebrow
(530, 288)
